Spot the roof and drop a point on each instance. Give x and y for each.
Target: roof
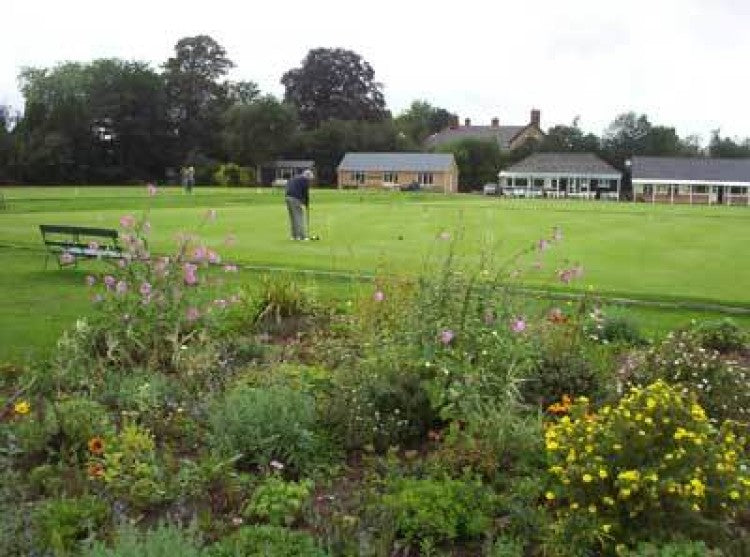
(291, 164)
(563, 163)
(691, 169)
(504, 135)
(415, 162)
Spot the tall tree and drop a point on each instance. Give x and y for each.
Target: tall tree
(726, 147)
(478, 161)
(334, 84)
(569, 139)
(197, 98)
(422, 119)
(254, 133)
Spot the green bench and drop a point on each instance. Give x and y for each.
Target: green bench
(68, 243)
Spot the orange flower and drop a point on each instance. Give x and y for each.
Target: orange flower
(96, 445)
(561, 407)
(95, 470)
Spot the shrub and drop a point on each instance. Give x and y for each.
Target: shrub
(81, 419)
(60, 524)
(163, 541)
(650, 466)
(264, 424)
(671, 549)
(32, 433)
(722, 387)
(281, 304)
(618, 328)
(278, 502)
(231, 174)
(263, 541)
(437, 510)
(722, 335)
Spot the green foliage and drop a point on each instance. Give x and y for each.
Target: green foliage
(281, 302)
(506, 547)
(264, 541)
(264, 424)
(722, 335)
(278, 502)
(566, 365)
(32, 434)
(649, 467)
(81, 419)
(165, 540)
(231, 174)
(437, 510)
(61, 524)
(721, 386)
(671, 549)
(478, 161)
(614, 328)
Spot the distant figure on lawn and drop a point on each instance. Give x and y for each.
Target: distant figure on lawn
(188, 178)
(297, 195)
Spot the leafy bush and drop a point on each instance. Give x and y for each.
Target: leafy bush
(264, 541)
(232, 174)
(32, 433)
(278, 502)
(671, 549)
(163, 541)
(281, 303)
(722, 335)
(61, 524)
(437, 510)
(264, 424)
(618, 328)
(80, 420)
(722, 387)
(650, 466)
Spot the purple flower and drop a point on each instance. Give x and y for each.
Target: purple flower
(121, 287)
(447, 336)
(192, 314)
(109, 282)
(518, 325)
(151, 189)
(213, 257)
(199, 253)
(565, 276)
(145, 289)
(230, 268)
(543, 244)
(379, 296)
(189, 274)
(90, 280)
(127, 221)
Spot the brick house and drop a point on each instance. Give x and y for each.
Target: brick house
(432, 171)
(507, 137)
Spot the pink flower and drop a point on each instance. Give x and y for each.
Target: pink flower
(565, 276)
(121, 287)
(379, 296)
(192, 314)
(189, 274)
(127, 221)
(543, 244)
(90, 280)
(200, 253)
(145, 289)
(230, 268)
(447, 336)
(518, 325)
(151, 189)
(213, 257)
(109, 281)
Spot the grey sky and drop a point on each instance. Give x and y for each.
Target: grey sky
(682, 62)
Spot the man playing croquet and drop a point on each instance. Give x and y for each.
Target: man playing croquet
(297, 195)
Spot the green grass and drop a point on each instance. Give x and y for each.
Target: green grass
(687, 255)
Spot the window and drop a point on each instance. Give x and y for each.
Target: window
(425, 178)
(358, 177)
(700, 189)
(390, 177)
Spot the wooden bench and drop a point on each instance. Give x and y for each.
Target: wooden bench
(79, 241)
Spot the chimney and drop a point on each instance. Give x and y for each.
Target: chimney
(496, 122)
(467, 122)
(536, 118)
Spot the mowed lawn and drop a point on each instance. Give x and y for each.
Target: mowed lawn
(640, 251)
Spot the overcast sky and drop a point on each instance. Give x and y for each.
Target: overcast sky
(682, 62)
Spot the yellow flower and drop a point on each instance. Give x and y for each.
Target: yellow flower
(587, 478)
(606, 528)
(616, 447)
(552, 445)
(22, 407)
(592, 509)
(734, 494)
(550, 496)
(574, 506)
(608, 501)
(625, 493)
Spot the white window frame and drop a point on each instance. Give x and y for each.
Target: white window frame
(426, 178)
(390, 177)
(358, 177)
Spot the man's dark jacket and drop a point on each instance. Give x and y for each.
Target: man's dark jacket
(298, 187)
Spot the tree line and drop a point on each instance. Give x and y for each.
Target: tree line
(117, 121)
